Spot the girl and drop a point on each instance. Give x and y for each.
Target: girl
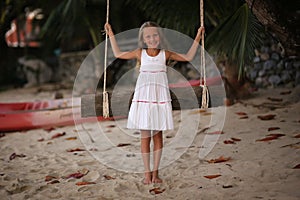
(151, 109)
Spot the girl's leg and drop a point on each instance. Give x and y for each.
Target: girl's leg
(145, 150)
(157, 151)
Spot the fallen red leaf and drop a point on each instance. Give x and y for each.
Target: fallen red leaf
(274, 99)
(219, 160)
(49, 178)
(293, 145)
(58, 135)
(286, 92)
(41, 140)
(266, 139)
(270, 137)
(229, 142)
(123, 144)
(216, 133)
(273, 128)
(14, 155)
(156, 190)
(297, 167)
(85, 183)
(71, 138)
(76, 149)
(236, 139)
(213, 176)
(53, 182)
(227, 186)
(107, 177)
(276, 134)
(241, 113)
(244, 117)
(266, 117)
(297, 136)
(75, 175)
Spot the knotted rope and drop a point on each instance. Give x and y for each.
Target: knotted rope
(105, 108)
(205, 94)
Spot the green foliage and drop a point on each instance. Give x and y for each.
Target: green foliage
(236, 37)
(73, 18)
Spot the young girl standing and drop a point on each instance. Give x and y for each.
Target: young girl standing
(151, 109)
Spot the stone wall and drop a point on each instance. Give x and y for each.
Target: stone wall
(271, 68)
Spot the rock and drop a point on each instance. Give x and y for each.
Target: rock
(261, 82)
(271, 72)
(253, 74)
(265, 49)
(288, 65)
(280, 65)
(257, 66)
(269, 64)
(285, 76)
(274, 80)
(275, 56)
(264, 56)
(261, 73)
(256, 59)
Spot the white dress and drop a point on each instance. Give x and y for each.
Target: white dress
(151, 107)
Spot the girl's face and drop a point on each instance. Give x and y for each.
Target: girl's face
(151, 37)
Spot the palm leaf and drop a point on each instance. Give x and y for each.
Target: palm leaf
(236, 37)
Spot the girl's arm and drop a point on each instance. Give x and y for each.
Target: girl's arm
(115, 47)
(192, 51)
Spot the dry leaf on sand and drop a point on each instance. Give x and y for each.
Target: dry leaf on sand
(213, 176)
(266, 117)
(57, 135)
(84, 183)
(219, 160)
(156, 190)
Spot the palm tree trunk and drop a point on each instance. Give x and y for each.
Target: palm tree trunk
(279, 21)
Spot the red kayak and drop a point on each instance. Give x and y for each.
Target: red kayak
(43, 114)
(39, 105)
(16, 121)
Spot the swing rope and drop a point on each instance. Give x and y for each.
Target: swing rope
(205, 94)
(105, 93)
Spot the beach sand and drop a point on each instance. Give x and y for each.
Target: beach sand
(36, 166)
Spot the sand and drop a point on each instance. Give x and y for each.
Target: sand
(36, 166)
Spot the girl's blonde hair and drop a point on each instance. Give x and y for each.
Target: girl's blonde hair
(163, 42)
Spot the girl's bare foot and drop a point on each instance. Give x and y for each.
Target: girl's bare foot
(147, 178)
(155, 178)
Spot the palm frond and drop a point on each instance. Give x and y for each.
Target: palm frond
(236, 37)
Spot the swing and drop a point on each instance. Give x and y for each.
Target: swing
(91, 103)
(205, 92)
(105, 93)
